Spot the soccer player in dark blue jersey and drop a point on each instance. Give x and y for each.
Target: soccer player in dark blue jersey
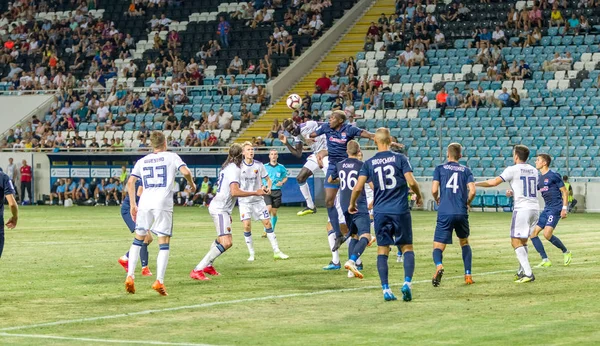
(7, 190)
(453, 188)
(391, 174)
(556, 197)
(359, 224)
(126, 215)
(338, 134)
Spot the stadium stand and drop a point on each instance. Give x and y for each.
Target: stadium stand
(553, 110)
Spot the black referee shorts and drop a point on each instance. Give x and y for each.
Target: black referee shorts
(274, 199)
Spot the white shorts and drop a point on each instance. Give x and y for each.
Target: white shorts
(312, 164)
(159, 222)
(254, 211)
(338, 206)
(184, 194)
(222, 223)
(523, 223)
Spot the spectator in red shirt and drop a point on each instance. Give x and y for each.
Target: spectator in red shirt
(373, 33)
(376, 82)
(322, 84)
(26, 181)
(212, 140)
(440, 99)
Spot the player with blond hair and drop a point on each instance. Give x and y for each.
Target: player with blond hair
(155, 209)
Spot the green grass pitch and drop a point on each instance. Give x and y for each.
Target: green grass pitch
(61, 284)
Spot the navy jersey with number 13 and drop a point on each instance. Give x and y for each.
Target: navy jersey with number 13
(453, 178)
(390, 191)
(347, 171)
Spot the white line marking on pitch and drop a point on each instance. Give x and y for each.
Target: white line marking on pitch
(108, 341)
(235, 301)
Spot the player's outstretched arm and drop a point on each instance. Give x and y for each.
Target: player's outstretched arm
(14, 210)
(414, 186)
(187, 174)
(295, 150)
(358, 188)
(490, 183)
(237, 192)
(367, 134)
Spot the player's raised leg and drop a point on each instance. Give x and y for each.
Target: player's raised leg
(217, 248)
(335, 255)
(302, 180)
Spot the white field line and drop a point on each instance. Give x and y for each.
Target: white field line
(227, 302)
(106, 341)
(235, 301)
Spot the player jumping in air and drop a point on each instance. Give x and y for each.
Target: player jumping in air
(391, 174)
(453, 188)
(317, 160)
(523, 180)
(155, 211)
(338, 133)
(556, 197)
(220, 210)
(254, 207)
(359, 223)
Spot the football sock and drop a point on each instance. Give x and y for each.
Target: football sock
(134, 254)
(215, 251)
(539, 247)
(409, 265)
(556, 242)
(359, 248)
(333, 219)
(126, 255)
(358, 261)
(1, 242)
(178, 200)
(144, 255)
(523, 260)
(249, 243)
(273, 239)
(382, 269)
(335, 255)
(467, 256)
(273, 221)
(437, 256)
(351, 246)
(305, 189)
(161, 262)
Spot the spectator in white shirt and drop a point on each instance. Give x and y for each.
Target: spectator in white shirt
(66, 110)
(102, 112)
(236, 65)
(251, 93)
(212, 120)
(155, 88)
(422, 99)
(439, 40)
(498, 37)
(225, 119)
(406, 57)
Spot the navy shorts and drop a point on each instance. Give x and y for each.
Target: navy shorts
(448, 223)
(549, 218)
(358, 223)
(330, 170)
(393, 229)
(127, 218)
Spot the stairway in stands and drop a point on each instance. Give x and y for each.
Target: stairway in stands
(349, 45)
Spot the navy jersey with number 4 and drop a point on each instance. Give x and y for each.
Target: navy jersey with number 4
(453, 178)
(347, 171)
(337, 140)
(549, 185)
(390, 191)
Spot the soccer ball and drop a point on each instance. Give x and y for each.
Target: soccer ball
(294, 102)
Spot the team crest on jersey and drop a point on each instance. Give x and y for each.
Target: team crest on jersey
(343, 134)
(545, 181)
(256, 171)
(243, 215)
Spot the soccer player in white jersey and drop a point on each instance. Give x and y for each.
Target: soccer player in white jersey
(254, 207)
(155, 210)
(220, 210)
(523, 180)
(317, 160)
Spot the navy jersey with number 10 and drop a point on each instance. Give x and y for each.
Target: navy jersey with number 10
(453, 178)
(390, 191)
(347, 171)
